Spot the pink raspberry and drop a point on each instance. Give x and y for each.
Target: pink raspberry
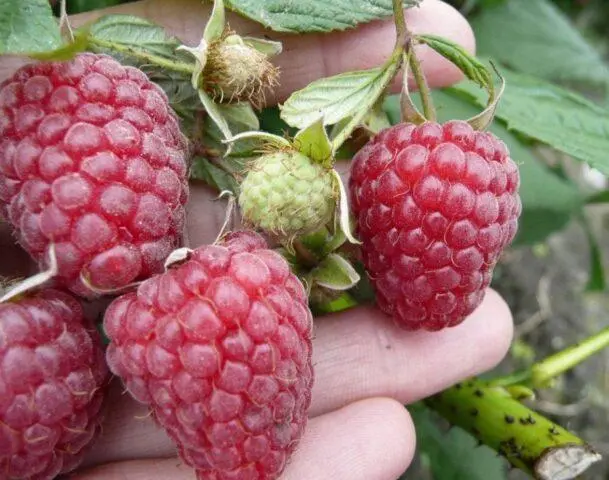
(52, 378)
(219, 347)
(93, 161)
(436, 205)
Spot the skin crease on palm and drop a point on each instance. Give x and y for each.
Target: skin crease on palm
(365, 367)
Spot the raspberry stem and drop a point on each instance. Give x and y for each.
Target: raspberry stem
(542, 372)
(424, 91)
(400, 23)
(179, 67)
(528, 440)
(405, 42)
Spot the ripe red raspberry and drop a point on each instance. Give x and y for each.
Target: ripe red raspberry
(220, 348)
(92, 159)
(436, 205)
(52, 378)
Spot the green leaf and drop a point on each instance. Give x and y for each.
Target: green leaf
(335, 273)
(223, 172)
(334, 98)
(553, 115)
(271, 122)
(79, 6)
(453, 455)
(133, 33)
(313, 142)
(596, 280)
(534, 37)
(28, 26)
(183, 98)
(239, 118)
(600, 197)
(313, 15)
(472, 68)
(548, 200)
(214, 176)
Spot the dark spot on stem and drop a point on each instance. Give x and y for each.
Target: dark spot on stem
(509, 419)
(479, 393)
(458, 386)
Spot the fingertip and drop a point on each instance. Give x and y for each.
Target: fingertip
(398, 424)
(494, 319)
(369, 438)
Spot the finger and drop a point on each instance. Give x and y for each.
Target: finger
(152, 469)
(309, 57)
(361, 353)
(371, 439)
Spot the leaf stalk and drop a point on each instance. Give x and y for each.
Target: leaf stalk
(178, 67)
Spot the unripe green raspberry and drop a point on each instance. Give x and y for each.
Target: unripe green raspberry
(287, 195)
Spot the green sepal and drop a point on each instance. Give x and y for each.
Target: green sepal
(483, 120)
(200, 55)
(344, 220)
(270, 48)
(335, 273)
(215, 114)
(313, 142)
(216, 23)
(377, 119)
(260, 140)
(410, 112)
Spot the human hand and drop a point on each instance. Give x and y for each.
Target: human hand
(365, 367)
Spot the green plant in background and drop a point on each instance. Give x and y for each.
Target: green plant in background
(556, 98)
